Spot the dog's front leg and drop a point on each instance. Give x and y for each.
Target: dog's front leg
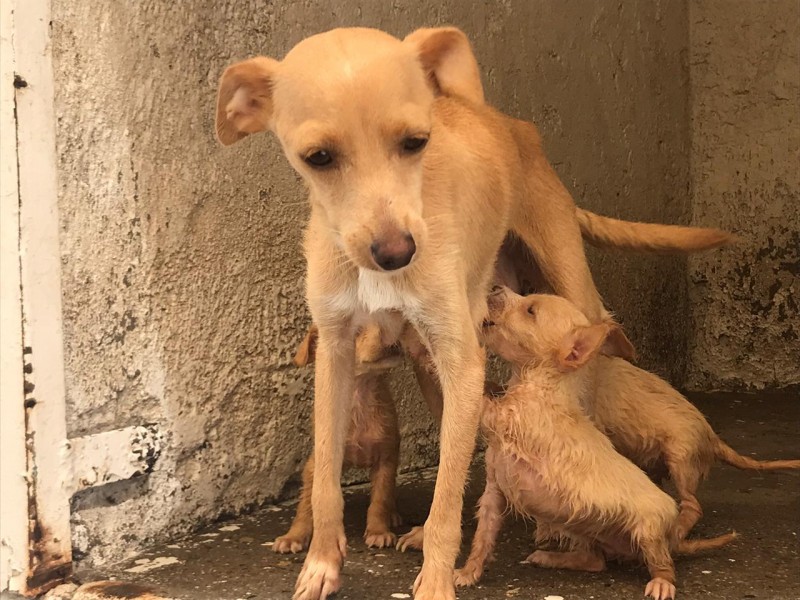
(459, 360)
(334, 386)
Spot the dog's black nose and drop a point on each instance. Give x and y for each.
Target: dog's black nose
(392, 252)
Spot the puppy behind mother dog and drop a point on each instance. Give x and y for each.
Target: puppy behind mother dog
(413, 183)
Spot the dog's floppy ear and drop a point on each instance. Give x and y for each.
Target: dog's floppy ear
(618, 344)
(244, 99)
(580, 345)
(446, 56)
(307, 350)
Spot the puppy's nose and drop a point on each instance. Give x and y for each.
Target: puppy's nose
(393, 251)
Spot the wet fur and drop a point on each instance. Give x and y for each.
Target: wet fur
(547, 460)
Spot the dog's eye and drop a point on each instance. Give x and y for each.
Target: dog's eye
(413, 144)
(319, 159)
(531, 310)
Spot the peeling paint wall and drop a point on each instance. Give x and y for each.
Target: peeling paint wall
(183, 279)
(745, 83)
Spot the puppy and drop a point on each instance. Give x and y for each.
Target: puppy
(653, 425)
(546, 460)
(414, 183)
(373, 442)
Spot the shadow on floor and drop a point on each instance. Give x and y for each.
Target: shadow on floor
(230, 560)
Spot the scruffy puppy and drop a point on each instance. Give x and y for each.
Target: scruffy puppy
(373, 442)
(653, 425)
(547, 461)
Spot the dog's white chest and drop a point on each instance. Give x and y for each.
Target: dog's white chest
(378, 291)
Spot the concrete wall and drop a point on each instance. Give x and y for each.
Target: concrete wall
(182, 281)
(745, 114)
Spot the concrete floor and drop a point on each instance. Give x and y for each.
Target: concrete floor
(230, 560)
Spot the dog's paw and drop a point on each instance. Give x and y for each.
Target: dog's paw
(660, 589)
(466, 576)
(413, 540)
(290, 543)
(380, 539)
(434, 584)
(320, 575)
(539, 558)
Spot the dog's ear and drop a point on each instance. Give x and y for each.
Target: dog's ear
(618, 344)
(446, 56)
(580, 345)
(244, 99)
(307, 350)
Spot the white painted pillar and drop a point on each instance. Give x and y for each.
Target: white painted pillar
(13, 486)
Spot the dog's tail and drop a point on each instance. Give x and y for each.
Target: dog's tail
(694, 546)
(727, 454)
(605, 232)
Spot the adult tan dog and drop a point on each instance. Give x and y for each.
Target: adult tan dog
(413, 184)
(548, 461)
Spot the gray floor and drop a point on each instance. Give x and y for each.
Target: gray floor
(230, 561)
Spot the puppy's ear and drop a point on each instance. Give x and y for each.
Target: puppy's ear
(580, 345)
(446, 56)
(618, 344)
(307, 350)
(244, 99)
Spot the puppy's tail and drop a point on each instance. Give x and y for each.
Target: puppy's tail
(727, 454)
(694, 546)
(606, 232)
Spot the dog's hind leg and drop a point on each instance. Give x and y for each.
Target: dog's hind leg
(382, 513)
(686, 479)
(575, 560)
(297, 538)
(545, 220)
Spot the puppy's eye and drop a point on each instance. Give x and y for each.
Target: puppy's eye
(413, 144)
(319, 159)
(531, 310)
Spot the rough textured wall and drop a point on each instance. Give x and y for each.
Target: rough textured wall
(182, 273)
(745, 81)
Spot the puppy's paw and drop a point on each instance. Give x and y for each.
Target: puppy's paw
(413, 540)
(660, 589)
(290, 543)
(380, 539)
(540, 558)
(320, 575)
(434, 584)
(466, 576)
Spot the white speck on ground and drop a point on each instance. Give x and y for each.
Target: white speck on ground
(230, 528)
(149, 565)
(554, 598)
(401, 595)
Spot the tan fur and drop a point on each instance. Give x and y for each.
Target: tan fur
(649, 237)
(373, 442)
(653, 425)
(362, 97)
(546, 460)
